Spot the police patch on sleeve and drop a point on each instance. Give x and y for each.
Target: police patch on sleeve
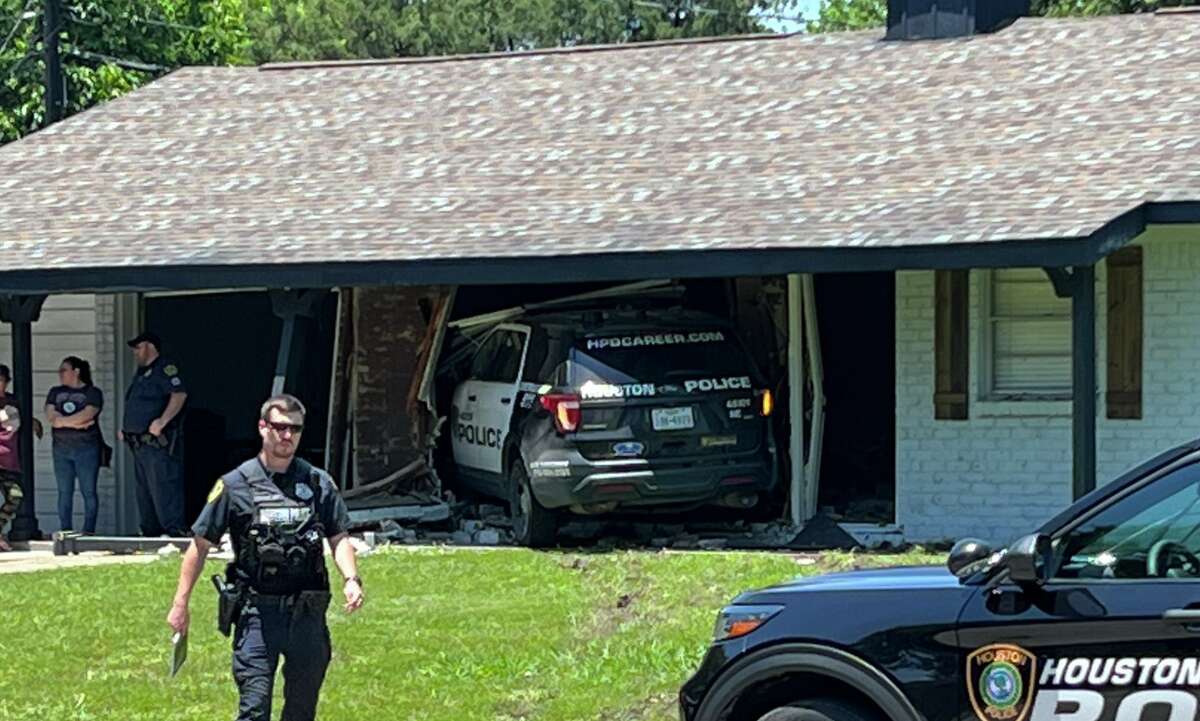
(303, 492)
(217, 489)
(1001, 681)
(170, 370)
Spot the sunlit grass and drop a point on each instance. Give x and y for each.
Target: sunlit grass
(447, 635)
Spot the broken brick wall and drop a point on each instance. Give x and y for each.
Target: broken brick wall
(388, 328)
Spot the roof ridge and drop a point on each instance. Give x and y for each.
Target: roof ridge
(537, 52)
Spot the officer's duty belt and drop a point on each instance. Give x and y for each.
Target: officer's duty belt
(136, 440)
(286, 601)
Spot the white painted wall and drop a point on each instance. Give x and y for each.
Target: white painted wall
(68, 326)
(1008, 468)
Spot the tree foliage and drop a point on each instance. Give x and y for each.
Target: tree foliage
(839, 15)
(338, 29)
(108, 48)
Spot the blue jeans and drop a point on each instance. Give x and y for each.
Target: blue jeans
(83, 463)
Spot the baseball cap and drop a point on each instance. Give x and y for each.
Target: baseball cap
(145, 337)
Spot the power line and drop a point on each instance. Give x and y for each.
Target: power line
(154, 21)
(119, 62)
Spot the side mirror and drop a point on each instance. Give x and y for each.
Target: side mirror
(1029, 560)
(966, 554)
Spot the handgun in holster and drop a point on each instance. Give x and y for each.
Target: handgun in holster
(230, 599)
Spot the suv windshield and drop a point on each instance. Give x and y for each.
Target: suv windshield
(659, 357)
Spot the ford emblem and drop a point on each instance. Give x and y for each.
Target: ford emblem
(628, 449)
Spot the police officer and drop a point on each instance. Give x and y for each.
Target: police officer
(151, 427)
(277, 509)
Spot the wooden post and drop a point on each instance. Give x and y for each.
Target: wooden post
(22, 311)
(1083, 378)
(291, 306)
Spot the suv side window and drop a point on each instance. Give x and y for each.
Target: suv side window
(1154, 532)
(499, 360)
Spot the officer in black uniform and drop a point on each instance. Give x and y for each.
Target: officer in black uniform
(278, 510)
(151, 427)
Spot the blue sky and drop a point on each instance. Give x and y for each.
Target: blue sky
(806, 9)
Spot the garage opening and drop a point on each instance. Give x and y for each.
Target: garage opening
(226, 346)
(856, 313)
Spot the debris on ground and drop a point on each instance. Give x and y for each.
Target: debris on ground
(396, 498)
(823, 533)
(466, 523)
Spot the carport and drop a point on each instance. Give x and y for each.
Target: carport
(697, 159)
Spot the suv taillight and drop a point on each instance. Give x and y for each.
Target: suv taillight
(565, 409)
(766, 403)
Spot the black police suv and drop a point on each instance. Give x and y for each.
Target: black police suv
(595, 411)
(1095, 617)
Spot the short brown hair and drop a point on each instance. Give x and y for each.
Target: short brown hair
(284, 403)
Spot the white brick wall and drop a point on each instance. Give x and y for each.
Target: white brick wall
(1008, 468)
(67, 326)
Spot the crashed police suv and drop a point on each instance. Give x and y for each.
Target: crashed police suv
(595, 411)
(1095, 617)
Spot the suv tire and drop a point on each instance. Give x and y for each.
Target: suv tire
(534, 525)
(821, 709)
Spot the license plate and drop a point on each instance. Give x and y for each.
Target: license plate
(672, 419)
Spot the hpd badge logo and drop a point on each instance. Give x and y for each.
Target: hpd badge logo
(1000, 682)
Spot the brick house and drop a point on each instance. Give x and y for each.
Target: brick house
(1021, 204)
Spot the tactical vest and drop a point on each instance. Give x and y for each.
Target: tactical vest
(281, 550)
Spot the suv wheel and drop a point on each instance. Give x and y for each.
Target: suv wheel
(534, 525)
(820, 709)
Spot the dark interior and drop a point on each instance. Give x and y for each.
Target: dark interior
(856, 314)
(225, 345)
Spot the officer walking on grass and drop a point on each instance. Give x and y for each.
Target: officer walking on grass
(151, 427)
(278, 510)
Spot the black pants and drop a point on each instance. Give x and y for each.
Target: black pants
(159, 477)
(264, 633)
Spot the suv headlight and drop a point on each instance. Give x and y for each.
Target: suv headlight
(737, 621)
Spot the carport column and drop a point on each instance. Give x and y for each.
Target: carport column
(22, 311)
(795, 366)
(1083, 378)
(291, 305)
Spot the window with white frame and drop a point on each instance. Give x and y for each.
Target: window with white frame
(1025, 338)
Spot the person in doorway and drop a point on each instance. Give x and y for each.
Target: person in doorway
(10, 463)
(151, 428)
(73, 411)
(278, 510)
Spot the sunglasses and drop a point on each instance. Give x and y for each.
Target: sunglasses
(294, 428)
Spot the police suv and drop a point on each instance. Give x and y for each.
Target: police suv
(594, 411)
(1095, 617)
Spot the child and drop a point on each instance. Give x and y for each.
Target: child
(10, 464)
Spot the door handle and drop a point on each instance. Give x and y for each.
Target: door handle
(472, 398)
(506, 401)
(1189, 617)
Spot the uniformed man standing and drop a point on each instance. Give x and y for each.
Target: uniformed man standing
(152, 429)
(277, 509)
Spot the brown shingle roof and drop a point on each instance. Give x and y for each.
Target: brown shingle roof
(1048, 129)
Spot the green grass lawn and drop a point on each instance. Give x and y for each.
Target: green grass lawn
(446, 634)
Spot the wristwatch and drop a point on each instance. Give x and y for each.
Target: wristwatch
(356, 579)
